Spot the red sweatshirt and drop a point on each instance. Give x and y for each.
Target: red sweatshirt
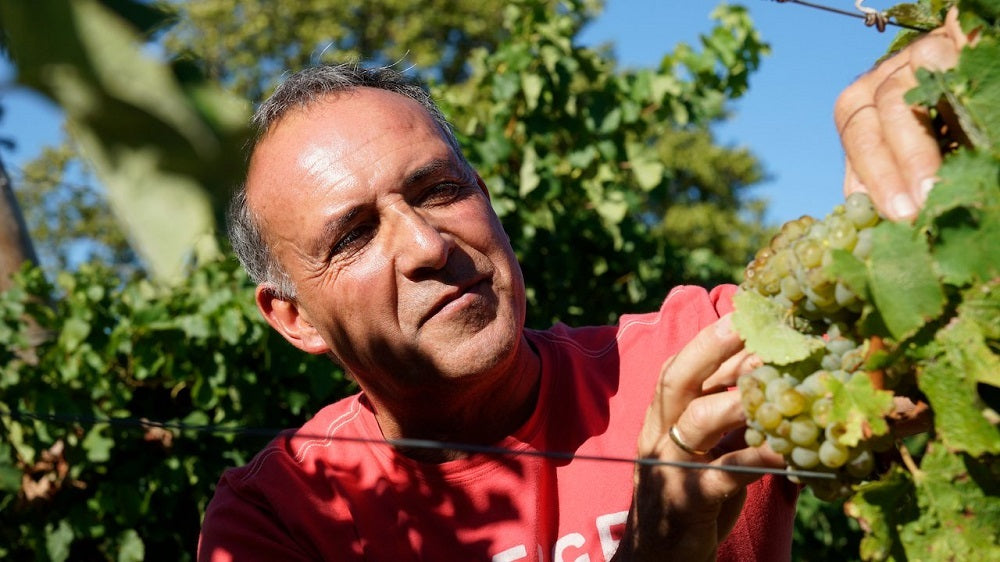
(312, 496)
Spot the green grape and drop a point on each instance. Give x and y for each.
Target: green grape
(804, 431)
(839, 345)
(752, 398)
(843, 235)
(768, 416)
(820, 411)
(779, 445)
(809, 252)
(815, 384)
(863, 247)
(791, 289)
(765, 373)
(833, 455)
(830, 362)
(804, 457)
(859, 210)
(775, 387)
(783, 262)
(753, 437)
(844, 296)
(790, 402)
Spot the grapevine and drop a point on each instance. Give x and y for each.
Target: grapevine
(853, 315)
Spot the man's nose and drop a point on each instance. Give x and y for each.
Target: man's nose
(419, 246)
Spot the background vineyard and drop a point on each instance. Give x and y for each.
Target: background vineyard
(608, 181)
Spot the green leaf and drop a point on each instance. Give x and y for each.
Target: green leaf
(963, 216)
(850, 270)
(882, 508)
(959, 502)
(978, 65)
(762, 325)
(531, 84)
(529, 173)
(130, 547)
(949, 381)
(859, 408)
(10, 478)
(97, 446)
(902, 280)
(58, 540)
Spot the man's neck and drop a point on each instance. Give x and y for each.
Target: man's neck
(481, 413)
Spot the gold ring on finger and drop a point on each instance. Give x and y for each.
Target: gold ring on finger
(675, 436)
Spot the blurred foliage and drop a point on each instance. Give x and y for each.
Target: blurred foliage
(197, 353)
(61, 202)
(608, 181)
(619, 166)
(159, 136)
(247, 44)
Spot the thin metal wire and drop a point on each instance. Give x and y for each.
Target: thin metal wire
(864, 17)
(427, 444)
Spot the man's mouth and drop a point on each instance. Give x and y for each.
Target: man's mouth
(455, 298)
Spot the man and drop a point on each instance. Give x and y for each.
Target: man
(373, 241)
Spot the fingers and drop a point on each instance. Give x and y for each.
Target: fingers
(702, 425)
(891, 149)
(684, 374)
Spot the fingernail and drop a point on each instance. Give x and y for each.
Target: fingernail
(926, 186)
(902, 205)
(724, 326)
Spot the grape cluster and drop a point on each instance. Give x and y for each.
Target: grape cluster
(789, 407)
(791, 270)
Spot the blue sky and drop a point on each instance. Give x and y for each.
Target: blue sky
(785, 119)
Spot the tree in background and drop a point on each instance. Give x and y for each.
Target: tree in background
(607, 181)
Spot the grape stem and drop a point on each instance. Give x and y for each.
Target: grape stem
(904, 453)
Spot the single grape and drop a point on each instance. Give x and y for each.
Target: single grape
(843, 234)
(753, 437)
(832, 455)
(804, 431)
(768, 416)
(839, 345)
(804, 457)
(779, 445)
(859, 210)
(791, 289)
(765, 373)
(775, 387)
(820, 411)
(815, 384)
(844, 296)
(790, 402)
(752, 398)
(809, 252)
(830, 362)
(863, 247)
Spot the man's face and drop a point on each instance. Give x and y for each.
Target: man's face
(401, 266)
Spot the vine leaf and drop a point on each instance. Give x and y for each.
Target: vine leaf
(963, 217)
(949, 511)
(859, 407)
(760, 322)
(902, 279)
(950, 380)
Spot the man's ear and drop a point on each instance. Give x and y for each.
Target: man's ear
(482, 185)
(285, 316)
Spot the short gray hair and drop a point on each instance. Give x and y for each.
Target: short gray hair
(297, 92)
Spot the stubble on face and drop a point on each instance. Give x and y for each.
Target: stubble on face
(346, 161)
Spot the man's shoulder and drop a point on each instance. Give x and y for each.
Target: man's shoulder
(296, 451)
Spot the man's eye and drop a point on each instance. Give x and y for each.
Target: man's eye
(353, 240)
(442, 193)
